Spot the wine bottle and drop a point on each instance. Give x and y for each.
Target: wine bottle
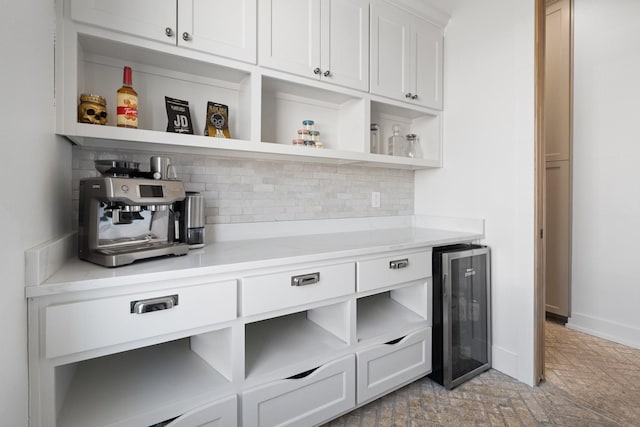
(127, 102)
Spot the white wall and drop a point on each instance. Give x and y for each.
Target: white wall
(489, 159)
(35, 176)
(606, 180)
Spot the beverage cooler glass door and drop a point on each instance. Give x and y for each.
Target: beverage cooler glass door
(466, 314)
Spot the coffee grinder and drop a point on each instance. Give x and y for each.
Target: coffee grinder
(191, 219)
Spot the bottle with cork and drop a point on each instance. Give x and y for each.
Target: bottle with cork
(127, 102)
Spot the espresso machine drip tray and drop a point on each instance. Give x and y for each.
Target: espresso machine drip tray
(122, 255)
(114, 250)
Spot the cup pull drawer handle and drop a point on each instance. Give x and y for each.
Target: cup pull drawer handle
(305, 279)
(154, 304)
(400, 263)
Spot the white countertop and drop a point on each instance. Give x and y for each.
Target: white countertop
(238, 257)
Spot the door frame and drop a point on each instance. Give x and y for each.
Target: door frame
(539, 193)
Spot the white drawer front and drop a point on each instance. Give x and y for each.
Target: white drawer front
(86, 325)
(392, 270)
(385, 366)
(325, 393)
(270, 292)
(221, 413)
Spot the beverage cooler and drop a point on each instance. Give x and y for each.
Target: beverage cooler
(461, 313)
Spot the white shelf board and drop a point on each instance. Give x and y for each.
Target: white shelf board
(138, 387)
(380, 316)
(112, 137)
(278, 343)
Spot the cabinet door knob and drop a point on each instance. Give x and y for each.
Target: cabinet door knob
(316, 70)
(414, 96)
(168, 31)
(186, 36)
(326, 73)
(408, 95)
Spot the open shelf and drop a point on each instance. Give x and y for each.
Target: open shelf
(382, 316)
(284, 343)
(338, 116)
(424, 122)
(142, 386)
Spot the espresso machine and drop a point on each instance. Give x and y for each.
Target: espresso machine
(126, 216)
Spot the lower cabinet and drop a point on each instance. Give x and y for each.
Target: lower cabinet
(383, 367)
(221, 413)
(308, 398)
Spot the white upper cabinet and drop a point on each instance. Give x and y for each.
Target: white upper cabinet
(321, 39)
(406, 56)
(222, 27)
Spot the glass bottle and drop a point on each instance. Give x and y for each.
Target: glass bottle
(414, 150)
(375, 139)
(127, 102)
(397, 143)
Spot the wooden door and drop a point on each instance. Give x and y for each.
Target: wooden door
(558, 238)
(557, 135)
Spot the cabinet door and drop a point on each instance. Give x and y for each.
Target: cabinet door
(223, 412)
(144, 18)
(309, 398)
(290, 35)
(426, 65)
(222, 27)
(345, 43)
(390, 51)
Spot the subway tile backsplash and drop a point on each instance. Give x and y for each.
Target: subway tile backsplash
(246, 190)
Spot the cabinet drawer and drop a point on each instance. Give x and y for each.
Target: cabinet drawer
(221, 413)
(386, 366)
(261, 294)
(392, 270)
(86, 325)
(323, 394)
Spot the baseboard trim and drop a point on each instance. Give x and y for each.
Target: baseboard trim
(612, 331)
(505, 361)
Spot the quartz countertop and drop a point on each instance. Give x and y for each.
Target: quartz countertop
(239, 257)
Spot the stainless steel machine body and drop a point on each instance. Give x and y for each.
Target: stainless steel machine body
(124, 219)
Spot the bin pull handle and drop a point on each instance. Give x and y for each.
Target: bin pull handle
(154, 304)
(305, 279)
(399, 263)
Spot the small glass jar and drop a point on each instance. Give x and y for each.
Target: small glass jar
(308, 124)
(303, 134)
(314, 136)
(414, 150)
(298, 142)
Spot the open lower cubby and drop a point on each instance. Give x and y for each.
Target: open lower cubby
(285, 343)
(339, 117)
(393, 313)
(426, 124)
(156, 75)
(146, 385)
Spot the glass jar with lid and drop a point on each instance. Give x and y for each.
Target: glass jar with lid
(414, 150)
